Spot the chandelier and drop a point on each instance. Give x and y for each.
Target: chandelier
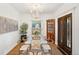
(35, 10)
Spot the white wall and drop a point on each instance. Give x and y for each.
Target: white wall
(8, 40)
(75, 36)
(66, 9)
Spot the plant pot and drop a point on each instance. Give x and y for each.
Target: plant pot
(23, 38)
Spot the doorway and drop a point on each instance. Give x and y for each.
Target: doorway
(51, 30)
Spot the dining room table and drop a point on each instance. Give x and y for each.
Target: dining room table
(35, 46)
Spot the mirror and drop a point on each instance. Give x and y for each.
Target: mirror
(69, 28)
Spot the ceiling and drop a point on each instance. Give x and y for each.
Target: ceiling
(41, 7)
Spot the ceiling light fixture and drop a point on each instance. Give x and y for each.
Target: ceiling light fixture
(35, 10)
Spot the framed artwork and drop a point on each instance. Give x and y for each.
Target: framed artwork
(7, 25)
(36, 27)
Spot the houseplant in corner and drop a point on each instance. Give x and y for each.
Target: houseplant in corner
(23, 31)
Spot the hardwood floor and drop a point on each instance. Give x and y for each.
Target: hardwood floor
(15, 50)
(55, 50)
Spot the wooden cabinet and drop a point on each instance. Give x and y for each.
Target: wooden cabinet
(51, 30)
(65, 34)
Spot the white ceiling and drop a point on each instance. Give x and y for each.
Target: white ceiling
(44, 7)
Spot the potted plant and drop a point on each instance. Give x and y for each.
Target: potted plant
(36, 32)
(23, 31)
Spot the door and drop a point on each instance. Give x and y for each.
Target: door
(51, 30)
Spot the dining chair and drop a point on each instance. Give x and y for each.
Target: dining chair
(46, 49)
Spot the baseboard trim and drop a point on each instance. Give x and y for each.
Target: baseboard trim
(11, 49)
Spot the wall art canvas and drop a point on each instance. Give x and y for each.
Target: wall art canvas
(7, 25)
(36, 27)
